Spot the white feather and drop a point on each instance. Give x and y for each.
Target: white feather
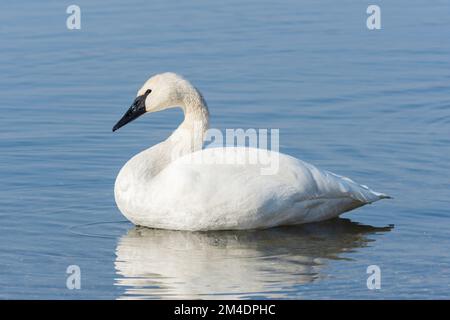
(178, 185)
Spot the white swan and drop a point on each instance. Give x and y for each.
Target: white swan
(178, 185)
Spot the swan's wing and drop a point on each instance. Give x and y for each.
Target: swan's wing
(253, 187)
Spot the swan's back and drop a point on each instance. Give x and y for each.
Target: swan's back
(242, 188)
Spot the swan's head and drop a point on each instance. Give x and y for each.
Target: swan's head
(160, 92)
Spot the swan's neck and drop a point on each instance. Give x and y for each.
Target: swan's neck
(189, 136)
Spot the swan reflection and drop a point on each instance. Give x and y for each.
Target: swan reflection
(268, 263)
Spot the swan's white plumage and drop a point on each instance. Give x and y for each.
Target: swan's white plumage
(208, 189)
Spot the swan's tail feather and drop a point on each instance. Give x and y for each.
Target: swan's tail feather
(359, 192)
(379, 195)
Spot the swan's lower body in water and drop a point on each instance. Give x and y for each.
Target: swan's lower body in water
(218, 189)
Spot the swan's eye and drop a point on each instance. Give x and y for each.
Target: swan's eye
(147, 92)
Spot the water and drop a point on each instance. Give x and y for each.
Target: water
(372, 105)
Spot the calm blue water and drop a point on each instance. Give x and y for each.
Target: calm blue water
(372, 105)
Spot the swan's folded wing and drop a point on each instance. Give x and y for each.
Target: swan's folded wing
(267, 191)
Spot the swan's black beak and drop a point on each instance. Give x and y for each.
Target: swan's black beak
(136, 110)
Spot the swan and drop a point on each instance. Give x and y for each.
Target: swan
(180, 185)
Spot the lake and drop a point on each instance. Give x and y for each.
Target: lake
(373, 105)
